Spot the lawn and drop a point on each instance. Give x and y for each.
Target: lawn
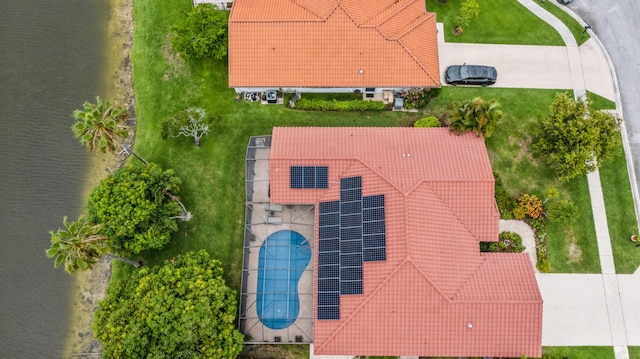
(634, 352)
(574, 26)
(578, 352)
(621, 216)
(499, 22)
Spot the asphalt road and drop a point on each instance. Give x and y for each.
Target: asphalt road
(616, 23)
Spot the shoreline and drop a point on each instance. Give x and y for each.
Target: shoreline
(89, 287)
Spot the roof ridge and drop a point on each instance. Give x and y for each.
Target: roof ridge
(391, 15)
(471, 275)
(424, 17)
(426, 182)
(426, 277)
(364, 302)
(309, 11)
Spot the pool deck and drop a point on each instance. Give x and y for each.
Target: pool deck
(263, 220)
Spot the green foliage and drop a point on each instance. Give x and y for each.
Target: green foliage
(417, 98)
(532, 205)
(192, 122)
(182, 309)
(477, 115)
(572, 135)
(519, 213)
(78, 246)
(135, 208)
(470, 8)
(202, 34)
(427, 122)
(563, 211)
(341, 106)
(99, 125)
(543, 265)
(508, 242)
(506, 203)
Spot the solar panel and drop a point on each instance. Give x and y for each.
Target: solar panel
(330, 219)
(329, 245)
(351, 195)
(328, 258)
(327, 232)
(322, 177)
(351, 260)
(349, 247)
(373, 214)
(329, 299)
(373, 201)
(350, 183)
(354, 220)
(376, 227)
(354, 287)
(296, 177)
(351, 274)
(373, 241)
(351, 234)
(328, 285)
(309, 176)
(329, 271)
(374, 254)
(329, 207)
(328, 312)
(350, 207)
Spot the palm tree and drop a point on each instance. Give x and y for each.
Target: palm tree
(477, 115)
(163, 183)
(100, 125)
(80, 245)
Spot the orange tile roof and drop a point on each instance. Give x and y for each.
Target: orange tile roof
(325, 43)
(434, 283)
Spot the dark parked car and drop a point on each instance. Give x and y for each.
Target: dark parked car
(470, 75)
(565, 2)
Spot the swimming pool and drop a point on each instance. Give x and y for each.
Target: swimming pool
(283, 257)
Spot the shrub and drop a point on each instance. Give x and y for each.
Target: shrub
(532, 205)
(202, 34)
(563, 211)
(430, 121)
(543, 265)
(506, 203)
(340, 106)
(507, 242)
(519, 212)
(416, 98)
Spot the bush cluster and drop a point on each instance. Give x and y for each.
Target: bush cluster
(419, 98)
(506, 203)
(530, 205)
(508, 242)
(427, 122)
(341, 106)
(543, 264)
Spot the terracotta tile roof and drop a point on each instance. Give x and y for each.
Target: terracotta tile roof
(325, 43)
(438, 195)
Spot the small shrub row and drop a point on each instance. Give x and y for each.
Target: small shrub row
(508, 242)
(427, 122)
(543, 264)
(340, 106)
(506, 203)
(419, 98)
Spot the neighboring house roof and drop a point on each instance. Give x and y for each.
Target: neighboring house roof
(326, 43)
(434, 293)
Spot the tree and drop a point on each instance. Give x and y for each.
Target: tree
(574, 138)
(80, 245)
(99, 126)
(469, 9)
(192, 122)
(135, 209)
(477, 115)
(182, 309)
(202, 34)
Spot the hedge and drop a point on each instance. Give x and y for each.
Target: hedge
(341, 106)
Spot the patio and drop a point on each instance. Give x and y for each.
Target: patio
(262, 220)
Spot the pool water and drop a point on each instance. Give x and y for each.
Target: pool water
(283, 257)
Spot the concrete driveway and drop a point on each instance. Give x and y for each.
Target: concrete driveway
(541, 67)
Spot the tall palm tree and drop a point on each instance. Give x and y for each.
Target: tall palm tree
(477, 115)
(100, 125)
(80, 245)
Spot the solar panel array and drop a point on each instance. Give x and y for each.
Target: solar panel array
(351, 231)
(309, 177)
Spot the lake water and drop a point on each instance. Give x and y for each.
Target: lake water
(51, 54)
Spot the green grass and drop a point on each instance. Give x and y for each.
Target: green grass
(574, 26)
(600, 103)
(506, 22)
(579, 352)
(621, 216)
(634, 352)
(500, 22)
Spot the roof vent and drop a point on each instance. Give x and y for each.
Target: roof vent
(361, 71)
(469, 325)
